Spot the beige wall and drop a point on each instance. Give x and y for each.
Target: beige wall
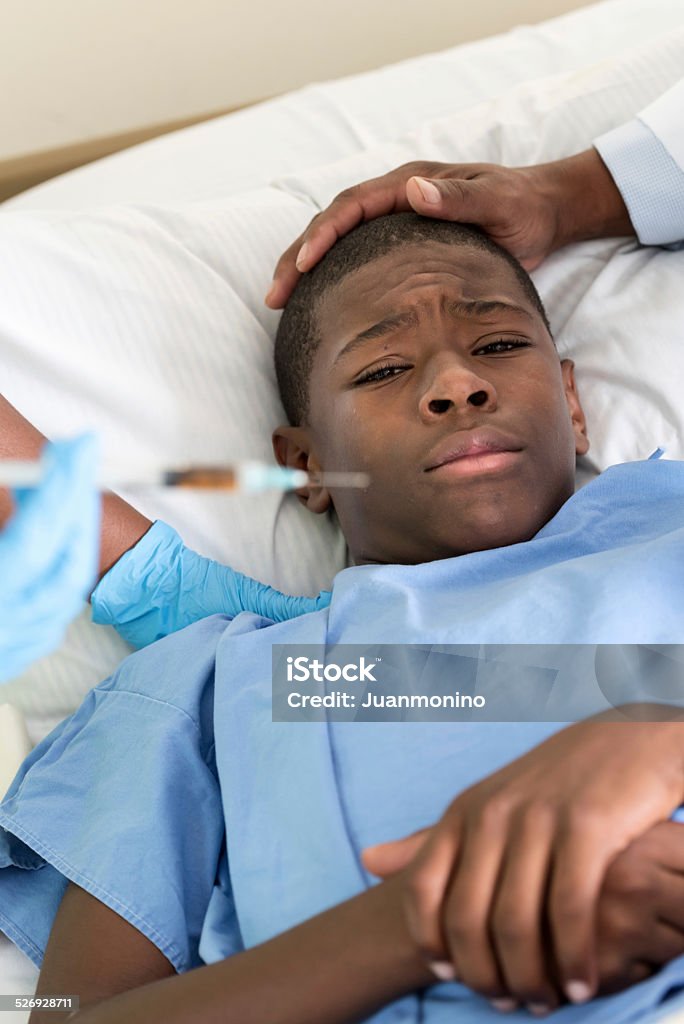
(72, 70)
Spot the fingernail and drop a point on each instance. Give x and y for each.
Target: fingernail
(429, 192)
(503, 1005)
(444, 970)
(538, 1009)
(270, 293)
(302, 255)
(577, 991)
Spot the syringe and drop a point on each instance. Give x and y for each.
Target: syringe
(249, 477)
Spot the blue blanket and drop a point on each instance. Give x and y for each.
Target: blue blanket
(173, 797)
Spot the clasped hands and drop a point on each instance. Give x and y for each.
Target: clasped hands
(558, 877)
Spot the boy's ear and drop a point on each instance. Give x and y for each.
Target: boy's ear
(292, 448)
(579, 423)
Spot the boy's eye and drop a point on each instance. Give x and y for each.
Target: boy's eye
(384, 372)
(388, 370)
(502, 345)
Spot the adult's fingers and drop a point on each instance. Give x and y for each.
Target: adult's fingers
(517, 919)
(372, 198)
(285, 277)
(468, 200)
(465, 918)
(426, 889)
(581, 858)
(497, 200)
(385, 859)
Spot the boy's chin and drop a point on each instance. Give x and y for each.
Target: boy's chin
(485, 539)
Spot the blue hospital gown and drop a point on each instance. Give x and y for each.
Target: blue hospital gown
(173, 798)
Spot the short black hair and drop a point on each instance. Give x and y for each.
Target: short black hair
(298, 334)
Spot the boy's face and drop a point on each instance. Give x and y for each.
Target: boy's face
(462, 414)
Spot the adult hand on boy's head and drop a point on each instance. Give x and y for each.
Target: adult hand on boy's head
(530, 211)
(640, 914)
(506, 885)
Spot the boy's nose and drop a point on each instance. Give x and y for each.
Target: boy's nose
(454, 386)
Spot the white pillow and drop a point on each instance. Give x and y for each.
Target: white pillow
(147, 323)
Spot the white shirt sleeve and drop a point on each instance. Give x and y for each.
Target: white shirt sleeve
(646, 159)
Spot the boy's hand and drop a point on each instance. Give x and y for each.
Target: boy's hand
(527, 849)
(530, 211)
(640, 916)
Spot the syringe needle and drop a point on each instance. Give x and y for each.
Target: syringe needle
(248, 477)
(334, 479)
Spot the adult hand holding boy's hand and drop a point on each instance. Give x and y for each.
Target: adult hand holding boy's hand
(530, 211)
(506, 885)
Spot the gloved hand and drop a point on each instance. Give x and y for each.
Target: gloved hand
(160, 586)
(48, 554)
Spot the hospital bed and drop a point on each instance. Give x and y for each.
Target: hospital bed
(133, 288)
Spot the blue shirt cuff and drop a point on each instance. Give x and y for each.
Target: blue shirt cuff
(650, 180)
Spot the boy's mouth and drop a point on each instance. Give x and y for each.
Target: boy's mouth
(484, 448)
(482, 462)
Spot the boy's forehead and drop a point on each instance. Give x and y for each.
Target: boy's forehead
(378, 286)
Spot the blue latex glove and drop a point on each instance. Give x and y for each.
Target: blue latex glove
(160, 586)
(48, 554)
